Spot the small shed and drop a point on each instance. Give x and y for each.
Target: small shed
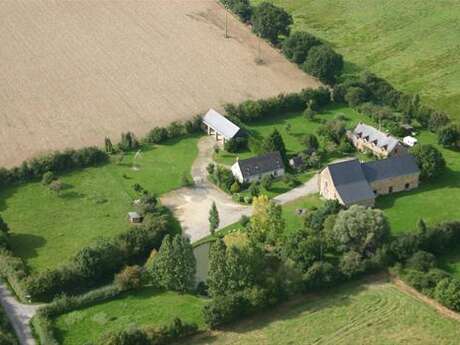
(135, 217)
(410, 141)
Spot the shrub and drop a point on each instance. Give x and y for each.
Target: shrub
(235, 188)
(421, 261)
(237, 144)
(320, 275)
(297, 46)
(437, 121)
(324, 63)
(355, 96)
(242, 8)
(48, 177)
(157, 135)
(266, 182)
(448, 293)
(128, 142)
(129, 278)
(430, 161)
(254, 189)
(449, 136)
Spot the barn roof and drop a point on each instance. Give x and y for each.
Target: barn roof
(221, 124)
(350, 182)
(261, 164)
(390, 167)
(381, 139)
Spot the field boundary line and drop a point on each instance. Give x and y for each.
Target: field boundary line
(405, 288)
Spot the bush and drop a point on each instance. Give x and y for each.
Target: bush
(48, 177)
(128, 142)
(270, 22)
(449, 136)
(355, 96)
(320, 275)
(448, 293)
(157, 135)
(297, 45)
(429, 160)
(437, 121)
(266, 182)
(421, 261)
(235, 188)
(129, 278)
(237, 144)
(324, 63)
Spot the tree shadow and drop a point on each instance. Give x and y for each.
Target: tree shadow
(26, 245)
(340, 296)
(72, 195)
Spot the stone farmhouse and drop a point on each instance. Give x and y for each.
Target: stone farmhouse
(221, 127)
(352, 182)
(255, 168)
(382, 145)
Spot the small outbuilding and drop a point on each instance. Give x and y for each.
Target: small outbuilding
(135, 217)
(409, 141)
(221, 127)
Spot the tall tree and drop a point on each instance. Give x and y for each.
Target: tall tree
(324, 63)
(270, 21)
(217, 276)
(297, 46)
(274, 142)
(3, 226)
(360, 229)
(175, 265)
(213, 218)
(429, 160)
(267, 224)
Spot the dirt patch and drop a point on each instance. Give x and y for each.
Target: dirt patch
(75, 71)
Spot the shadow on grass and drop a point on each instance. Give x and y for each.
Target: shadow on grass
(26, 245)
(340, 296)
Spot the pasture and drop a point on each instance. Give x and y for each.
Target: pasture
(144, 307)
(356, 313)
(74, 72)
(413, 44)
(48, 228)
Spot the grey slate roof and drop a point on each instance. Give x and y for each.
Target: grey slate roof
(381, 139)
(390, 167)
(221, 124)
(350, 182)
(261, 164)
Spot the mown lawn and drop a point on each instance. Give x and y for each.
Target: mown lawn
(299, 127)
(435, 201)
(356, 313)
(414, 44)
(145, 307)
(48, 228)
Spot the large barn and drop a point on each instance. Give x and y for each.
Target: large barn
(352, 182)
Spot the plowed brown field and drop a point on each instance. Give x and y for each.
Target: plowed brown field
(72, 72)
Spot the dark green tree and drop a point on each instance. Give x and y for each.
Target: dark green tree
(270, 21)
(311, 143)
(4, 226)
(108, 145)
(213, 218)
(274, 142)
(355, 96)
(429, 160)
(449, 136)
(218, 275)
(297, 46)
(324, 63)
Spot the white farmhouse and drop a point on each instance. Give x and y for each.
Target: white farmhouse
(253, 169)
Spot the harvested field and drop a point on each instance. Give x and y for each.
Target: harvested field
(75, 71)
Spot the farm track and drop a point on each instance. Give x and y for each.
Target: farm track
(75, 71)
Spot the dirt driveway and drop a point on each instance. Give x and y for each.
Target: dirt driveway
(191, 204)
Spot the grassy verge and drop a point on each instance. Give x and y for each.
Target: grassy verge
(48, 228)
(145, 307)
(355, 313)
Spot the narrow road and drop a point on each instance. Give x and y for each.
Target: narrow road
(19, 315)
(191, 204)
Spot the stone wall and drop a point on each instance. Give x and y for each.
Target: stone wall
(395, 184)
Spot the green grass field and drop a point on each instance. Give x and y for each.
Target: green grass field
(377, 314)
(48, 228)
(300, 126)
(413, 44)
(145, 307)
(434, 202)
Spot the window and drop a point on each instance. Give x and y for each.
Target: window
(407, 185)
(390, 190)
(375, 192)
